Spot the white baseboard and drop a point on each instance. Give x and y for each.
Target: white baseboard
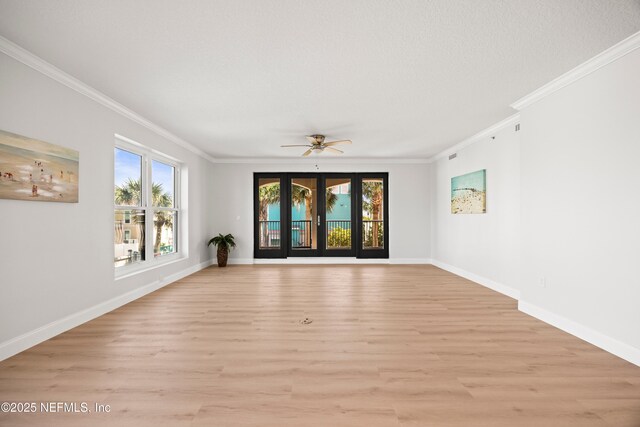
(29, 339)
(613, 346)
(411, 261)
(319, 260)
(488, 283)
(43, 333)
(330, 260)
(239, 261)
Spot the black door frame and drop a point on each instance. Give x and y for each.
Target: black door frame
(285, 250)
(377, 252)
(268, 252)
(302, 252)
(340, 252)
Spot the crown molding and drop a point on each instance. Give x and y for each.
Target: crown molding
(483, 134)
(22, 55)
(610, 55)
(313, 160)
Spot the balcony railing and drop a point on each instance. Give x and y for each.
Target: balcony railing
(301, 234)
(338, 234)
(269, 234)
(373, 234)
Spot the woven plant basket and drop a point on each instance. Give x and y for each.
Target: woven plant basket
(223, 255)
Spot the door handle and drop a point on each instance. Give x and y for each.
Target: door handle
(318, 220)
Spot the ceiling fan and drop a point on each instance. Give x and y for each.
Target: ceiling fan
(317, 144)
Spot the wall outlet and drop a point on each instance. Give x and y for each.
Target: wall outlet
(542, 282)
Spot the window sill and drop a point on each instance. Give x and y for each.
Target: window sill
(145, 266)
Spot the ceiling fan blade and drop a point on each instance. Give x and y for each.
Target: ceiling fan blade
(306, 153)
(343, 141)
(296, 145)
(335, 150)
(311, 139)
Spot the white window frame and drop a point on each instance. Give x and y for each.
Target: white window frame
(148, 156)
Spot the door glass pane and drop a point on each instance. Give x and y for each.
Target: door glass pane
(269, 213)
(304, 224)
(128, 178)
(128, 235)
(372, 213)
(338, 214)
(162, 176)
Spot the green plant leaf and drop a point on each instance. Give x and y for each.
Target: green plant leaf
(223, 241)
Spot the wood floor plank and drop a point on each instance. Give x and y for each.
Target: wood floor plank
(387, 346)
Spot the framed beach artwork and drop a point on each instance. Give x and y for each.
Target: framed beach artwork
(469, 193)
(36, 170)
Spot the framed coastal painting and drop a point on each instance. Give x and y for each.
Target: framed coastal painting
(469, 193)
(36, 170)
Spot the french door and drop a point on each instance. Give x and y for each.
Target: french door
(312, 214)
(372, 206)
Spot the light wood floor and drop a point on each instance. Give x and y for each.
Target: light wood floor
(387, 346)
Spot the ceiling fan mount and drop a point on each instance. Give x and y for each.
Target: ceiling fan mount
(316, 139)
(318, 145)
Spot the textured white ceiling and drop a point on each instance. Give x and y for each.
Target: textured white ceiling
(239, 78)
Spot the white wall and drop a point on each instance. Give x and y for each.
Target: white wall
(561, 232)
(484, 245)
(409, 206)
(56, 259)
(561, 205)
(580, 202)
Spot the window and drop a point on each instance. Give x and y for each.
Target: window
(146, 206)
(165, 214)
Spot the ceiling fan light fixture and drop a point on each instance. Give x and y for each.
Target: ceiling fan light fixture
(318, 145)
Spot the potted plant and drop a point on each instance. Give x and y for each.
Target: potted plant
(224, 244)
